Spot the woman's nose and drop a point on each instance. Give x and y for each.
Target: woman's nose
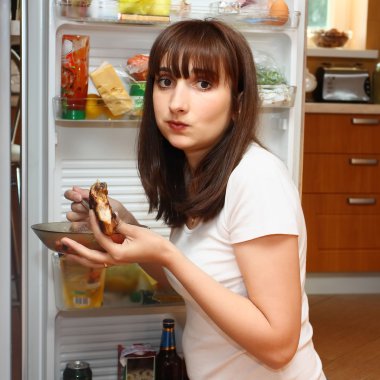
(179, 98)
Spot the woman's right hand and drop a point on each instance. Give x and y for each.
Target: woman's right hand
(79, 212)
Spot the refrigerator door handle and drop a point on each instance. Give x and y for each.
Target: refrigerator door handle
(5, 186)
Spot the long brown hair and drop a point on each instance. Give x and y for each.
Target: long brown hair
(213, 46)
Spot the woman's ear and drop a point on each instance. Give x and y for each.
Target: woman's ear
(237, 110)
(239, 101)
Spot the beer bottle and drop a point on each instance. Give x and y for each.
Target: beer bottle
(168, 362)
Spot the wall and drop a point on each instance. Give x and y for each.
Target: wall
(373, 25)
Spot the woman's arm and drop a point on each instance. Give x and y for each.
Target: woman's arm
(268, 323)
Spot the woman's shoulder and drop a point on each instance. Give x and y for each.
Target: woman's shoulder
(260, 161)
(260, 171)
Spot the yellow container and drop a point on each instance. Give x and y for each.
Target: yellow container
(76, 286)
(145, 7)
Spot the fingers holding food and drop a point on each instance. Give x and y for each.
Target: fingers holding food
(89, 263)
(76, 194)
(78, 211)
(98, 201)
(89, 257)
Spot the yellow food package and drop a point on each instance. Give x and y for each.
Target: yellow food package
(111, 89)
(128, 279)
(145, 7)
(81, 287)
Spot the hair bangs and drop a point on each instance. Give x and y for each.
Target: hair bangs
(195, 51)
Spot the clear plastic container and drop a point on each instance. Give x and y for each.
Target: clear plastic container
(76, 286)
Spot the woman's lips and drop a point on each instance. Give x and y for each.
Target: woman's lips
(176, 125)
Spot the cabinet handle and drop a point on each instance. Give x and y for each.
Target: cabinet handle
(363, 161)
(361, 201)
(358, 120)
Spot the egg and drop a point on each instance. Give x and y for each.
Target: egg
(280, 11)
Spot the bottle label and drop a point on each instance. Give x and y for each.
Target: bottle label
(168, 339)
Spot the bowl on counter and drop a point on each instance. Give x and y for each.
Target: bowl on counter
(331, 38)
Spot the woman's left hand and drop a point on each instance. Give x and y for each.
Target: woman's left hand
(141, 245)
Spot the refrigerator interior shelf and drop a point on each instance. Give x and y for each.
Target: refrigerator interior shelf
(109, 11)
(80, 288)
(277, 96)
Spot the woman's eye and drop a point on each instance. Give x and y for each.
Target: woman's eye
(164, 82)
(203, 85)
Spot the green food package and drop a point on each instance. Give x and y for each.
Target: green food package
(267, 70)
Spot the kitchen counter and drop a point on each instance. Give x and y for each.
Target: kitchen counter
(347, 108)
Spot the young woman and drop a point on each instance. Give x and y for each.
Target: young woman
(237, 248)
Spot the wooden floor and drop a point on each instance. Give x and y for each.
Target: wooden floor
(347, 335)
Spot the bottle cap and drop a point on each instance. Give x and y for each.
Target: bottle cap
(71, 114)
(168, 322)
(77, 364)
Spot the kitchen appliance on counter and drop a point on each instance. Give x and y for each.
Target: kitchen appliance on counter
(342, 84)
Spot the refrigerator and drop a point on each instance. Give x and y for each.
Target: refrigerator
(57, 154)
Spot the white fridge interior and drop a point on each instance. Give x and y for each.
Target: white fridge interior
(80, 152)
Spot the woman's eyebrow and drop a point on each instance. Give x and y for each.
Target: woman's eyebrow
(164, 69)
(198, 71)
(206, 73)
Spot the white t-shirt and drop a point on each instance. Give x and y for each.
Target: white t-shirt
(261, 199)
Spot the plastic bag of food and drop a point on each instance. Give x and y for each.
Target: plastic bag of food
(267, 71)
(137, 67)
(111, 88)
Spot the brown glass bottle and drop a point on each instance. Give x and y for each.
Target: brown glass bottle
(168, 362)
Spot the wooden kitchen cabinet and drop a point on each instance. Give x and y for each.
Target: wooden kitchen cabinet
(341, 192)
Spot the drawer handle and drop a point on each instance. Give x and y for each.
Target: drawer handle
(357, 120)
(361, 201)
(364, 161)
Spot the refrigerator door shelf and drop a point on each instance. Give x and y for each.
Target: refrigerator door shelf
(272, 96)
(98, 11)
(277, 95)
(263, 20)
(90, 110)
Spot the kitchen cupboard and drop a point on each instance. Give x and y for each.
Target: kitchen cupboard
(341, 192)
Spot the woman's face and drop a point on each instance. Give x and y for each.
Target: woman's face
(193, 113)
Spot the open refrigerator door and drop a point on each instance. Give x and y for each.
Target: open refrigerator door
(5, 181)
(80, 147)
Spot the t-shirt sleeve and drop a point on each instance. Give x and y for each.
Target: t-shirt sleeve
(261, 200)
